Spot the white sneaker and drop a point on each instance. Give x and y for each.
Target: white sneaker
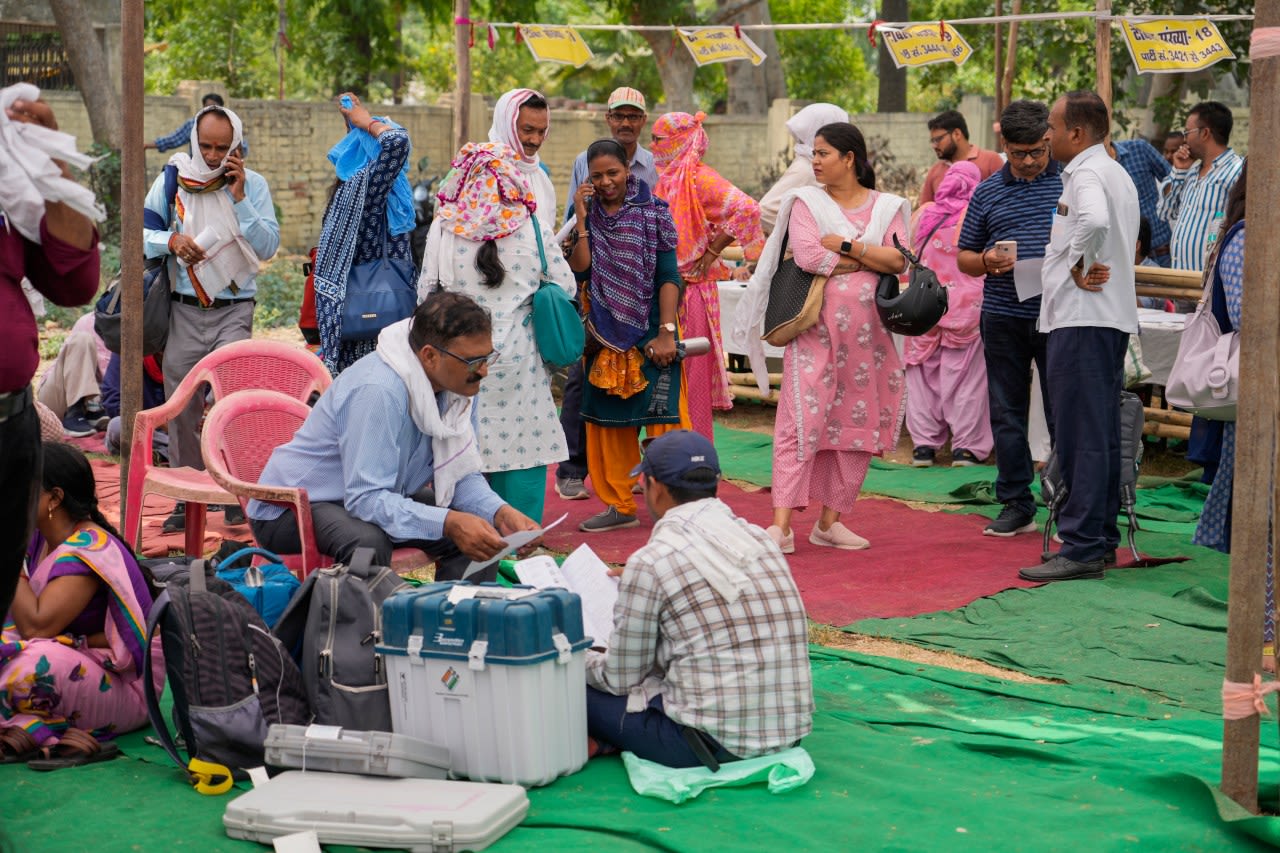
(787, 543)
(838, 536)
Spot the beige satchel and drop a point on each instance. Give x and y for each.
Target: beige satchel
(795, 301)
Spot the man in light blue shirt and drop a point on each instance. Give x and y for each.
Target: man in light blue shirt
(1193, 199)
(626, 118)
(213, 228)
(1088, 309)
(373, 475)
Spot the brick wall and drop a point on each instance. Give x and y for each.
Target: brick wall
(289, 141)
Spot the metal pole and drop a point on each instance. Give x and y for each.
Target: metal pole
(1252, 518)
(132, 191)
(462, 88)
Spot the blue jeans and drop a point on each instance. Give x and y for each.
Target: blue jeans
(575, 432)
(1086, 376)
(1010, 344)
(650, 733)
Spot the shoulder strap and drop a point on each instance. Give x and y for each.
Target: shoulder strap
(154, 714)
(542, 253)
(170, 191)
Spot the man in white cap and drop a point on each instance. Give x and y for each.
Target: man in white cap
(520, 119)
(218, 223)
(626, 119)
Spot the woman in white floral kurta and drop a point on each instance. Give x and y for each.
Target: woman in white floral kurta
(518, 427)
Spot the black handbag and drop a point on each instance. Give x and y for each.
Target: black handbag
(795, 300)
(156, 289)
(379, 292)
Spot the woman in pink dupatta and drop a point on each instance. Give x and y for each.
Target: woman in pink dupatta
(946, 370)
(71, 654)
(710, 213)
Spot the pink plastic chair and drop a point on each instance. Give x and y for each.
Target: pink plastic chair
(241, 365)
(239, 436)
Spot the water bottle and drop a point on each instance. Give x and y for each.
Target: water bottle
(1212, 232)
(692, 346)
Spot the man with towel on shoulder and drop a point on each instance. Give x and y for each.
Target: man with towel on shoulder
(520, 119)
(218, 228)
(709, 659)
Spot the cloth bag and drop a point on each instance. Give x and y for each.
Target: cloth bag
(379, 292)
(267, 587)
(795, 300)
(782, 771)
(1206, 372)
(557, 325)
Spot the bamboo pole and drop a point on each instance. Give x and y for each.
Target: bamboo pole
(462, 87)
(1256, 421)
(1170, 292)
(1166, 431)
(750, 379)
(133, 176)
(1169, 277)
(1103, 53)
(743, 392)
(1000, 105)
(1005, 80)
(1167, 416)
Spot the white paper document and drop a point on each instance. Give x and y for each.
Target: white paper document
(563, 233)
(1026, 278)
(515, 542)
(585, 574)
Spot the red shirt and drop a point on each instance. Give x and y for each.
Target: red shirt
(988, 163)
(62, 273)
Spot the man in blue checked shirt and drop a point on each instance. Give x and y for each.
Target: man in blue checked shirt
(182, 135)
(1148, 168)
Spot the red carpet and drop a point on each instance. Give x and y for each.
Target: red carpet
(918, 561)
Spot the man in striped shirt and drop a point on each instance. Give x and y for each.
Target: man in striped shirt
(1014, 204)
(1194, 196)
(708, 661)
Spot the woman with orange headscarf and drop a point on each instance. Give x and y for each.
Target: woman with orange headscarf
(709, 213)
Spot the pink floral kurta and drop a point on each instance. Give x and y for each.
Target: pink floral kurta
(843, 386)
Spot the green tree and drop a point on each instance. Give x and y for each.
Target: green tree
(823, 65)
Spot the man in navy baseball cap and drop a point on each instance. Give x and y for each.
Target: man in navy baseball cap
(682, 460)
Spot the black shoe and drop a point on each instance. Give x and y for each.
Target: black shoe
(964, 458)
(177, 520)
(922, 457)
(74, 424)
(1010, 522)
(95, 414)
(1109, 558)
(232, 514)
(1060, 568)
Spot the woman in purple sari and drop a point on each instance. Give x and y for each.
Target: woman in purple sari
(71, 652)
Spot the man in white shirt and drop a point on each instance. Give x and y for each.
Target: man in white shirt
(1088, 309)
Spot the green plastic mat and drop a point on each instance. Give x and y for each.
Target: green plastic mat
(909, 757)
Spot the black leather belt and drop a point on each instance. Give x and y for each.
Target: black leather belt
(217, 303)
(14, 403)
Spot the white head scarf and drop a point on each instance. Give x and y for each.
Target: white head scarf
(506, 115)
(28, 175)
(191, 164)
(806, 123)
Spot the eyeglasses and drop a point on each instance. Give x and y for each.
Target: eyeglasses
(937, 140)
(1187, 131)
(1031, 154)
(473, 364)
(627, 118)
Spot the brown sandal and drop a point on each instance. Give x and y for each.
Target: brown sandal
(75, 748)
(17, 746)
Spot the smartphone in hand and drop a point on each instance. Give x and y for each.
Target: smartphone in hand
(1007, 250)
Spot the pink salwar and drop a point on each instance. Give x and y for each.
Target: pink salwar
(49, 685)
(705, 378)
(843, 391)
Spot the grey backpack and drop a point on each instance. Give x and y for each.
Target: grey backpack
(332, 625)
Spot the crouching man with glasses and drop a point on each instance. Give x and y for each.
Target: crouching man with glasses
(388, 456)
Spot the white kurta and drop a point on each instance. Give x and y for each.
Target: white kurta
(519, 427)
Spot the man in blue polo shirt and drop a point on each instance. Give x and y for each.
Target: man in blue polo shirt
(1016, 203)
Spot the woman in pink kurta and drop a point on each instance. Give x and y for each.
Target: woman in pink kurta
(843, 390)
(946, 371)
(710, 213)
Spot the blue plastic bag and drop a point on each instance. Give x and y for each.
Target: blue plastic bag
(267, 587)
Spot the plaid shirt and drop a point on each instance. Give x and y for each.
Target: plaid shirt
(739, 672)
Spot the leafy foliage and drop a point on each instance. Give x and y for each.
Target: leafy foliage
(824, 65)
(279, 293)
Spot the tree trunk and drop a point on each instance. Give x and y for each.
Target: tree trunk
(89, 65)
(893, 81)
(1162, 86)
(752, 88)
(675, 67)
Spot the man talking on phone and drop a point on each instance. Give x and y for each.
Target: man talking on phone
(213, 223)
(1014, 204)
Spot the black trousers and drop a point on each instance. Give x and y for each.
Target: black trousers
(20, 474)
(1086, 376)
(1010, 345)
(575, 431)
(339, 533)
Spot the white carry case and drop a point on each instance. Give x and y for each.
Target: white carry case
(419, 815)
(338, 750)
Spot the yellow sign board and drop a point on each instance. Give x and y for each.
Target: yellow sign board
(556, 44)
(925, 44)
(720, 44)
(1174, 45)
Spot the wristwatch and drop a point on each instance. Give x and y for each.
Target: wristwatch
(668, 327)
(846, 247)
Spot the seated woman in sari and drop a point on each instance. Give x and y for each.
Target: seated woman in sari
(626, 255)
(485, 243)
(72, 648)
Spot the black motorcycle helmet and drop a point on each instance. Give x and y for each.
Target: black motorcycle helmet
(917, 309)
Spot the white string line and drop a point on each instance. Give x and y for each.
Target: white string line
(864, 25)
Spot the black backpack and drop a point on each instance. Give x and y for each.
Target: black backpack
(230, 678)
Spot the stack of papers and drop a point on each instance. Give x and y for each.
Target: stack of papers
(585, 574)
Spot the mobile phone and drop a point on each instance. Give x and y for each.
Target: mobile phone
(1008, 249)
